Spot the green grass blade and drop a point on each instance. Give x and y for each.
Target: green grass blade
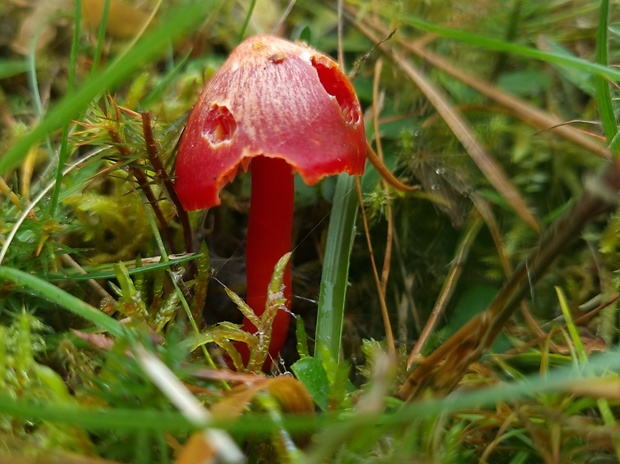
(602, 403)
(106, 271)
(133, 419)
(489, 43)
(9, 68)
(63, 153)
(603, 93)
(34, 88)
(155, 95)
(95, 418)
(334, 279)
(246, 22)
(62, 298)
(582, 356)
(101, 36)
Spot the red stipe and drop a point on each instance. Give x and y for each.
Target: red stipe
(269, 237)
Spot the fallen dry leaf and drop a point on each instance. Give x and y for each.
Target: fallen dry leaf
(196, 451)
(290, 393)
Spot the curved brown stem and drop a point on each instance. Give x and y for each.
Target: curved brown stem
(385, 173)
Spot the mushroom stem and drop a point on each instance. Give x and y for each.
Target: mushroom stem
(268, 239)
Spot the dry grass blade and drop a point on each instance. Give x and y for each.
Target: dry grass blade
(449, 286)
(459, 126)
(385, 273)
(608, 389)
(6, 191)
(444, 368)
(389, 335)
(529, 114)
(381, 283)
(487, 214)
(537, 118)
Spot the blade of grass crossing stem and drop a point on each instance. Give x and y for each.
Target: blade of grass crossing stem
(125, 419)
(335, 277)
(94, 418)
(603, 94)
(602, 403)
(180, 22)
(64, 299)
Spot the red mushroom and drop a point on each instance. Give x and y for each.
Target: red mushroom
(276, 107)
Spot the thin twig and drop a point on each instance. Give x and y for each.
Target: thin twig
(486, 213)
(385, 173)
(103, 293)
(340, 46)
(161, 173)
(145, 186)
(376, 108)
(449, 285)
(387, 258)
(384, 311)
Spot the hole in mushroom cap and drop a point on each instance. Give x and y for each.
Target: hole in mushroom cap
(219, 125)
(334, 84)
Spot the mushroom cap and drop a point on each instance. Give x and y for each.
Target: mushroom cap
(270, 98)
